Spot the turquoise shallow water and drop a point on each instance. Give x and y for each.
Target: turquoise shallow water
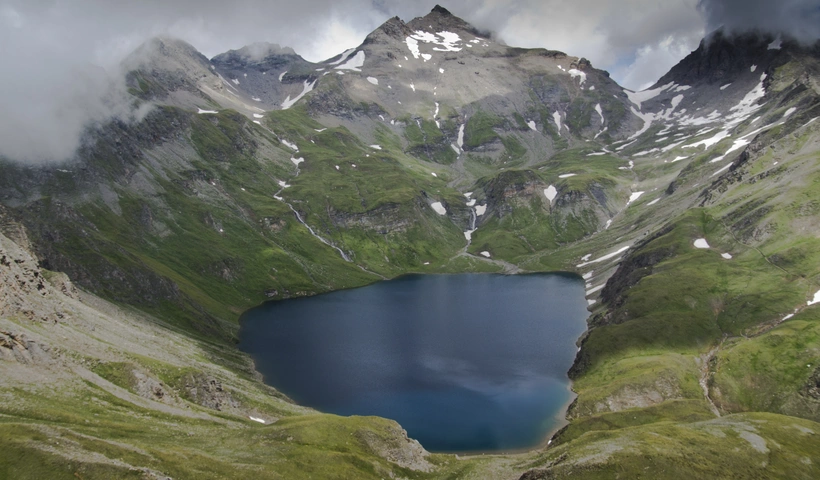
(463, 362)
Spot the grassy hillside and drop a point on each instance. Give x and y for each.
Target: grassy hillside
(698, 246)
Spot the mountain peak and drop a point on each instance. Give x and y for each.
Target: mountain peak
(440, 10)
(722, 55)
(256, 52)
(166, 53)
(441, 19)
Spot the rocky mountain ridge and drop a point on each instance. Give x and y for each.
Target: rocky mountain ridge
(688, 209)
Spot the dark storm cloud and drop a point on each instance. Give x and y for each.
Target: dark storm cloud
(797, 18)
(60, 58)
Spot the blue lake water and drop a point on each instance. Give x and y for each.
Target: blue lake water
(463, 362)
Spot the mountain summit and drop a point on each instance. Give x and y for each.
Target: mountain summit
(688, 211)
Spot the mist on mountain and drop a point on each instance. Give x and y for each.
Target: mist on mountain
(61, 72)
(799, 19)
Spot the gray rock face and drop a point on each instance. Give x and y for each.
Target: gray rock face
(441, 69)
(421, 150)
(722, 56)
(24, 288)
(506, 124)
(18, 348)
(264, 75)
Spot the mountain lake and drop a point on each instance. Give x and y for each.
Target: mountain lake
(465, 363)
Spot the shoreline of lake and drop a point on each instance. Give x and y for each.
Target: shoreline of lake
(457, 373)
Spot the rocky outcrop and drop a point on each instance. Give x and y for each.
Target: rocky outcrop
(397, 448)
(207, 391)
(16, 347)
(511, 188)
(384, 220)
(26, 293)
(24, 290)
(636, 265)
(812, 387)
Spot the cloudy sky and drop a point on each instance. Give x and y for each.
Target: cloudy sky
(56, 54)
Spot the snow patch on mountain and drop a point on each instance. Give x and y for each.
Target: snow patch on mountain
(604, 258)
(556, 117)
(737, 145)
(622, 147)
(308, 87)
(634, 197)
(443, 42)
(709, 142)
(723, 169)
(639, 97)
(413, 46)
(748, 105)
(647, 118)
(574, 72)
(600, 112)
(449, 42)
(354, 64)
(675, 102)
(673, 145)
(344, 56)
(693, 121)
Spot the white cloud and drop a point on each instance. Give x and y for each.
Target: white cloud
(653, 61)
(11, 17)
(44, 43)
(611, 35)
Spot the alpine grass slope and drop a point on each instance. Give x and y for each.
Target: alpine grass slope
(691, 209)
